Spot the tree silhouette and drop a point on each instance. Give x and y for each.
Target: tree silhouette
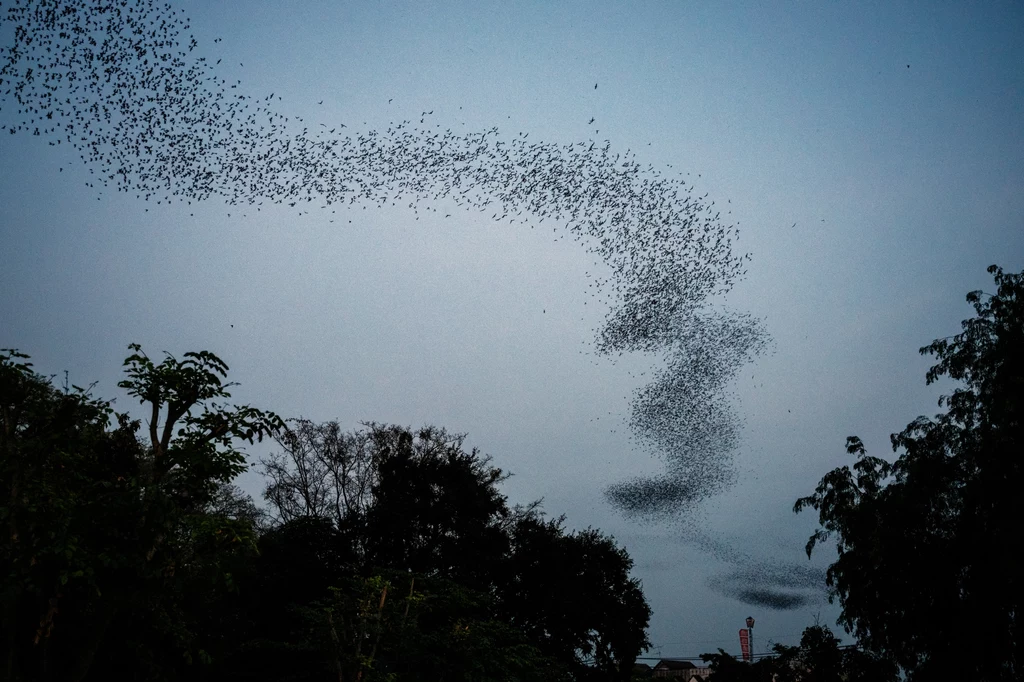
(406, 502)
(930, 546)
(391, 554)
(103, 526)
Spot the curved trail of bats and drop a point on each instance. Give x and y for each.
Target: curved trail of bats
(122, 84)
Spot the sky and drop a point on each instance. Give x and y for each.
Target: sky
(871, 155)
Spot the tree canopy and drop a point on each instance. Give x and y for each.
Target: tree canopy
(419, 503)
(818, 658)
(103, 525)
(929, 569)
(386, 553)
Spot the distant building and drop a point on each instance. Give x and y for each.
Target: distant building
(681, 670)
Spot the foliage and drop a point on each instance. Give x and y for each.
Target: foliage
(417, 503)
(929, 567)
(68, 486)
(436, 508)
(818, 658)
(389, 554)
(109, 537)
(572, 594)
(725, 668)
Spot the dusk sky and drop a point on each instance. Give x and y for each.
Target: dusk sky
(871, 154)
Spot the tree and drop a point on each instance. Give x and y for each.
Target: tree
(725, 668)
(437, 509)
(572, 595)
(818, 658)
(821, 658)
(406, 500)
(929, 569)
(105, 528)
(417, 503)
(64, 478)
(321, 472)
(279, 631)
(391, 554)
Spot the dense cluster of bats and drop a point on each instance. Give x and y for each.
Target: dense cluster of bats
(125, 85)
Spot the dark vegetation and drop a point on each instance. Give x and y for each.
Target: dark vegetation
(385, 553)
(929, 545)
(820, 657)
(389, 553)
(929, 571)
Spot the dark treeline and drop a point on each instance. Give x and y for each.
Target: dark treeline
(930, 546)
(384, 553)
(387, 553)
(820, 657)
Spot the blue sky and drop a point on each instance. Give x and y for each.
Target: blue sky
(872, 154)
